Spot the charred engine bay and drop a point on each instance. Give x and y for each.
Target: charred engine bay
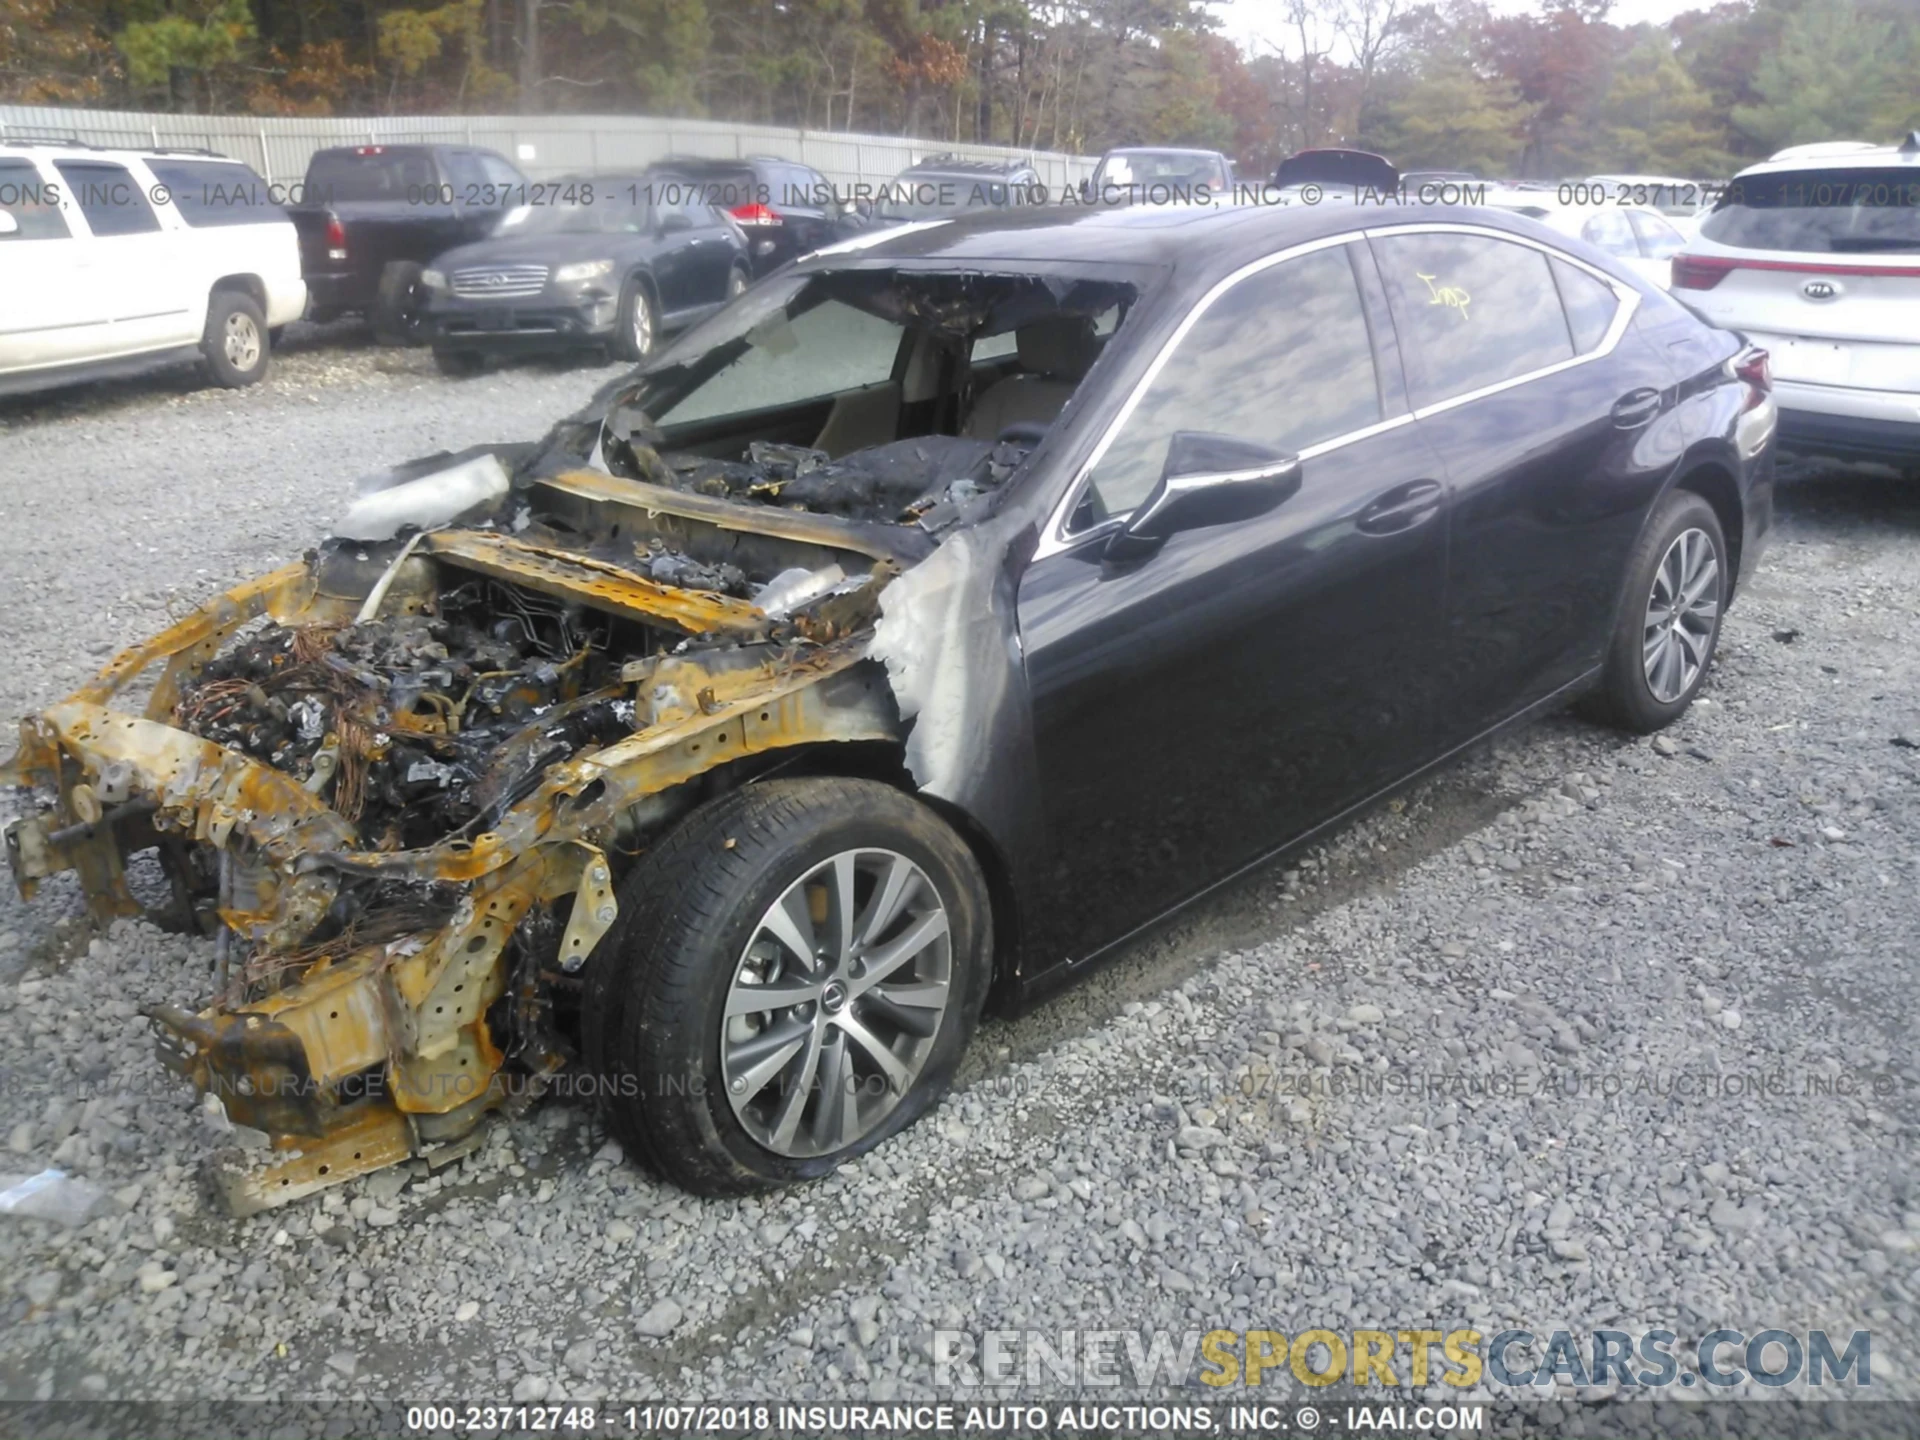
(419, 726)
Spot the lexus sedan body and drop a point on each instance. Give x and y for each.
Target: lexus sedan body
(603, 261)
(724, 753)
(1815, 254)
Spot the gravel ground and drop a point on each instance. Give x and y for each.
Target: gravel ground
(1489, 1057)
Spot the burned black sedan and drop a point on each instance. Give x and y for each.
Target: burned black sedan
(611, 262)
(902, 640)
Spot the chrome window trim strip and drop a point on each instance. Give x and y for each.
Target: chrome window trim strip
(1055, 538)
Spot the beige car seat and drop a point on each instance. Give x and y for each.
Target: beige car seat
(1055, 355)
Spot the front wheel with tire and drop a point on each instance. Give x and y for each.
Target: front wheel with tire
(633, 332)
(236, 343)
(1677, 585)
(793, 977)
(398, 316)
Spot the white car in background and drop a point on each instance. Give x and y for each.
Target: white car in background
(1815, 256)
(1683, 202)
(1640, 237)
(114, 261)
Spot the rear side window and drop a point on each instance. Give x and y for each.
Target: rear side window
(33, 202)
(1590, 305)
(209, 193)
(1838, 211)
(373, 174)
(108, 195)
(1281, 360)
(1472, 311)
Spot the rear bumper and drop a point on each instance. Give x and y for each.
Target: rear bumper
(1848, 424)
(347, 291)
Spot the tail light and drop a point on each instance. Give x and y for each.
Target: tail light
(370, 150)
(1753, 368)
(1700, 272)
(336, 238)
(755, 214)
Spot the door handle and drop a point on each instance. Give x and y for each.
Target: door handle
(1400, 508)
(1635, 408)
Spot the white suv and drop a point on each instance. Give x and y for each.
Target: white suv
(1815, 256)
(117, 260)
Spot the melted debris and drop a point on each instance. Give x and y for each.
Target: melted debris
(905, 482)
(416, 726)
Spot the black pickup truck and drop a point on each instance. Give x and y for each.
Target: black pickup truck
(371, 217)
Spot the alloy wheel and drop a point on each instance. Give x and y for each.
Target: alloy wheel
(1683, 610)
(241, 341)
(835, 1003)
(642, 325)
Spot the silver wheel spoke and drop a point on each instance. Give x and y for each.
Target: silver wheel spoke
(768, 1054)
(775, 995)
(795, 931)
(928, 995)
(886, 901)
(841, 905)
(889, 958)
(898, 1076)
(786, 1121)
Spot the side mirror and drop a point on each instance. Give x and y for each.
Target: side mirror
(1207, 480)
(8, 224)
(674, 221)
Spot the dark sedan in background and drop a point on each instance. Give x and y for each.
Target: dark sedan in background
(607, 261)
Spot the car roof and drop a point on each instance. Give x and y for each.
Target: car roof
(1841, 155)
(955, 165)
(61, 146)
(1162, 150)
(1200, 241)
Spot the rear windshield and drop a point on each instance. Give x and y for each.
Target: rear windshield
(406, 175)
(216, 192)
(1840, 211)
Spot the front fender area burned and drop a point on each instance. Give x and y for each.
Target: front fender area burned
(399, 784)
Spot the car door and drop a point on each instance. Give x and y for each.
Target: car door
(675, 250)
(152, 295)
(1198, 708)
(55, 312)
(1535, 406)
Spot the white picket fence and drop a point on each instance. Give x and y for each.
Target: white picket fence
(543, 146)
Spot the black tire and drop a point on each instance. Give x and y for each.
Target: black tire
(236, 343)
(398, 316)
(653, 1010)
(1626, 697)
(738, 279)
(635, 303)
(458, 364)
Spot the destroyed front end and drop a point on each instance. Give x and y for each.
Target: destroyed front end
(399, 782)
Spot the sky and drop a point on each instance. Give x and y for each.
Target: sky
(1253, 23)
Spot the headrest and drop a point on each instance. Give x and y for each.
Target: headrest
(1061, 346)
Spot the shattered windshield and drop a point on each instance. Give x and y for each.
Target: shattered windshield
(900, 396)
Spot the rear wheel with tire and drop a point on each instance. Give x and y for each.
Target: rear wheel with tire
(633, 332)
(398, 316)
(737, 282)
(1677, 586)
(236, 344)
(793, 977)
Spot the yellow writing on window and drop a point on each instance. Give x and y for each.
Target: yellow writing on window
(1451, 296)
